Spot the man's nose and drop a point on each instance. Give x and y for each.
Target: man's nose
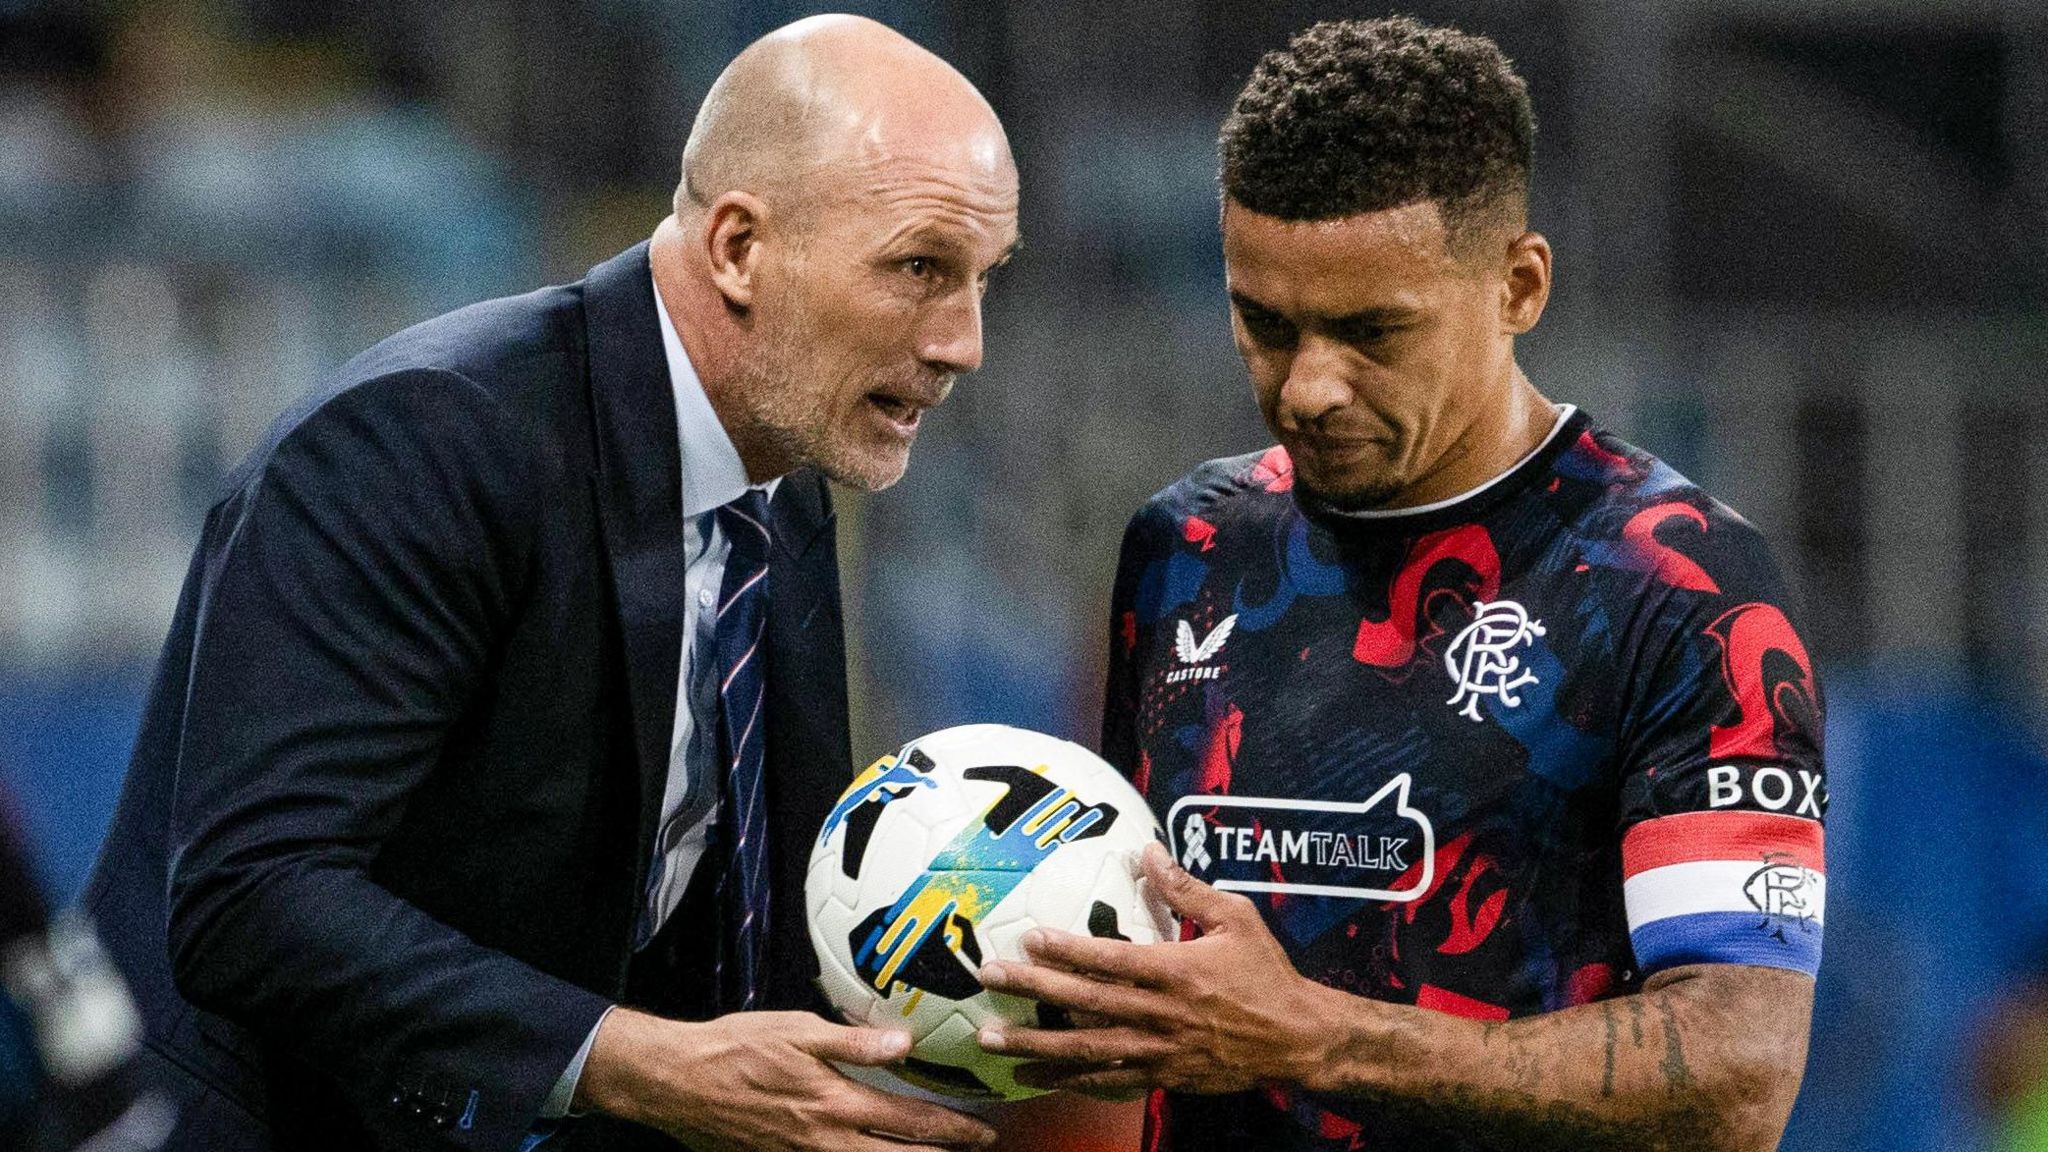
(1317, 384)
(951, 339)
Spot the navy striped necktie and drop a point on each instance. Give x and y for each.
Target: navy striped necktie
(742, 700)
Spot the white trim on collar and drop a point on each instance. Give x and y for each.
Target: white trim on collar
(1564, 415)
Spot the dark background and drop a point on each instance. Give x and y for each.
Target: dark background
(1800, 254)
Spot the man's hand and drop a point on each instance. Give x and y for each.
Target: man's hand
(1222, 1013)
(760, 1081)
(1706, 1058)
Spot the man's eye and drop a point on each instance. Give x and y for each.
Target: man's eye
(1268, 329)
(922, 267)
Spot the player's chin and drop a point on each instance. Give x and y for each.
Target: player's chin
(1349, 474)
(1347, 492)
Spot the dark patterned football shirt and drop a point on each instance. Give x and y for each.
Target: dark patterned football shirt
(1493, 757)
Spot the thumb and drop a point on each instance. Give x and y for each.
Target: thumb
(1189, 898)
(850, 1045)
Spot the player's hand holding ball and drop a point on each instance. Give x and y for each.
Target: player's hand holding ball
(1225, 1012)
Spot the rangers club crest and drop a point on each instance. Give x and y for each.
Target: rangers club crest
(1482, 659)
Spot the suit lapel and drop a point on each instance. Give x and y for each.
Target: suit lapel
(801, 509)
(639, 495)
(638, 488)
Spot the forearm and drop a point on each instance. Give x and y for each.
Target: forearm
(1705, 1058)
(1691, 1062)
(357, 587)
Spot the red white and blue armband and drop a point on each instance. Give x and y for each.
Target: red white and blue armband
(1725, 888)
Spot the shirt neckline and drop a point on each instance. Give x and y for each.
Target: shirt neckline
(1466, 505)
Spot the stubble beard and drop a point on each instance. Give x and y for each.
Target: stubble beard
(1364, 493)
(791, 417)
(1367, 496)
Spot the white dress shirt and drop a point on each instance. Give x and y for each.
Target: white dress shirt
(713, 476)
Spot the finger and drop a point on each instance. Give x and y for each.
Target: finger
(847, 1044)
(1107, 1003)
(917, 1121)
(1080, 1046)
(1116, 1083)
(1189, 898)
(1122, 1083)
(891, 1142)
(879, 1142)
(1114, 960)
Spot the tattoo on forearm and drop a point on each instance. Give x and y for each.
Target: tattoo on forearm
(1677, 1074)
(1505, 1121)
(1709, 1062)
(1654, 1092)
(1607, 1076)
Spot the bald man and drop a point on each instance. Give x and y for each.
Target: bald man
(471, 804)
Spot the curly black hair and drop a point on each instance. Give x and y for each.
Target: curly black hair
(1363, 115)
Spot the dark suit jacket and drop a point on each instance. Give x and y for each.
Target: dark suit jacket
(374, 871)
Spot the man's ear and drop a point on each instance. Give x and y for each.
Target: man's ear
(1525, 287)
(732, 245)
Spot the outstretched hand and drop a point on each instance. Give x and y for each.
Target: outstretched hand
(1221, 1013)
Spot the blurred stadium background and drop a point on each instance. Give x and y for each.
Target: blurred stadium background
(1802, 254)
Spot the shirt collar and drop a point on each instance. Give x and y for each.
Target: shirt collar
(1564, 417)
(713, 475)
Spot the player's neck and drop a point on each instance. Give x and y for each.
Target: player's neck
(1500, 438)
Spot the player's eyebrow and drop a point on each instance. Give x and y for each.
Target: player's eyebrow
(1389, 316)
(948, 242)
(1245, 303)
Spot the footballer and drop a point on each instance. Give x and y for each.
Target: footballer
(1488, 756)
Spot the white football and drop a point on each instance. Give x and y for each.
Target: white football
(940, 857)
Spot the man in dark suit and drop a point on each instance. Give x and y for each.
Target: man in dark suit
(507, 687)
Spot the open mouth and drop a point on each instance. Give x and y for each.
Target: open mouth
(902, 413)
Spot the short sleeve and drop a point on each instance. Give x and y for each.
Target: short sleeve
(1724, 790)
